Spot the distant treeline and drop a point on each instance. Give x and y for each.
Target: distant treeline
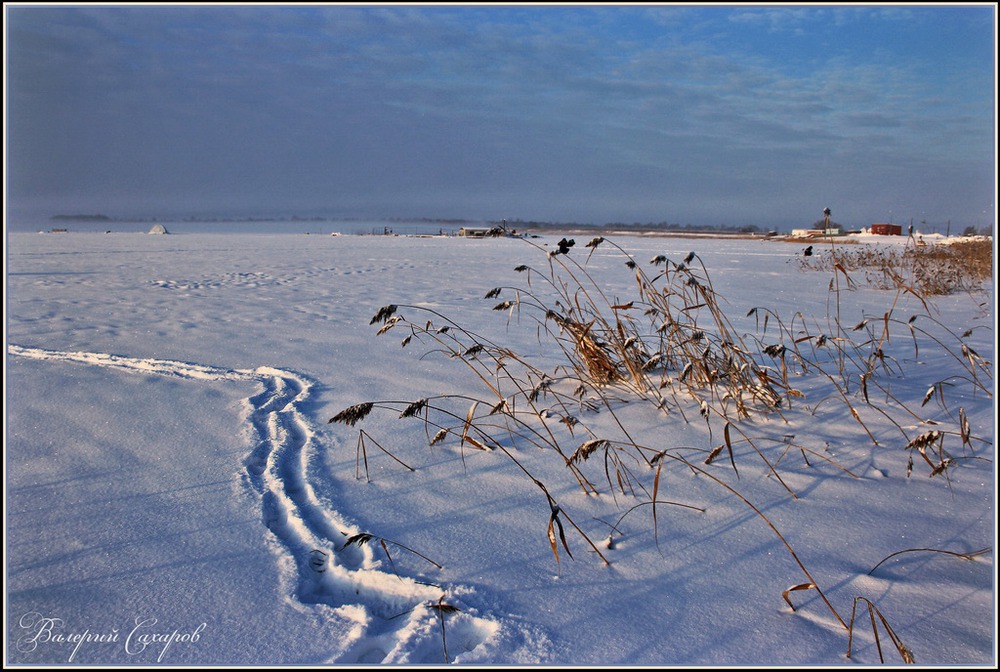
(261, 218)
(509, 223)
(649, 226)
(81, 218)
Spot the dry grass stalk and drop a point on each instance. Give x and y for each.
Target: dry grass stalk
(924, 270)
(441, 608)
(964, 556)
(361, 453)
(672, 346)
(801, 586)
(598, 364)
(363, 538)
(904, 651)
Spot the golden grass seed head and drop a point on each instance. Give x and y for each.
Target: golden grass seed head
(384, 313)
(353, 414)
(414, 408)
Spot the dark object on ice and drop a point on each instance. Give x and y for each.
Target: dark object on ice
(808, 251)
(564, 245)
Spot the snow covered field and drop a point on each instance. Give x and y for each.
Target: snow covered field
(175, 493)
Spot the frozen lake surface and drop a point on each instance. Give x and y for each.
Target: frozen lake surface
(176, 494)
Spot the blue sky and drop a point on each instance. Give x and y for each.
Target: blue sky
(747, 114)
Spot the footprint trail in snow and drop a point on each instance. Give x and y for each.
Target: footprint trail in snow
(396, 619)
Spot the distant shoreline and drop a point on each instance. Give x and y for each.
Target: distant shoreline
(646, 232)
(520, 225)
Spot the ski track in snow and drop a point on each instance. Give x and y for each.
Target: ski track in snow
(394, 617)
(253, 280)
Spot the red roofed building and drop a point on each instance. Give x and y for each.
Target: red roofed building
(887, 229)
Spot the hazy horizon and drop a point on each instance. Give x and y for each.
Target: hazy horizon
(25, 221)
(697, 114)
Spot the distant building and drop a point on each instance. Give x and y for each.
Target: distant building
(887, 229)
(474, 231)
(816, 233)
(483, 232)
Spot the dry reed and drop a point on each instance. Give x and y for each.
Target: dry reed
(672, 347)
